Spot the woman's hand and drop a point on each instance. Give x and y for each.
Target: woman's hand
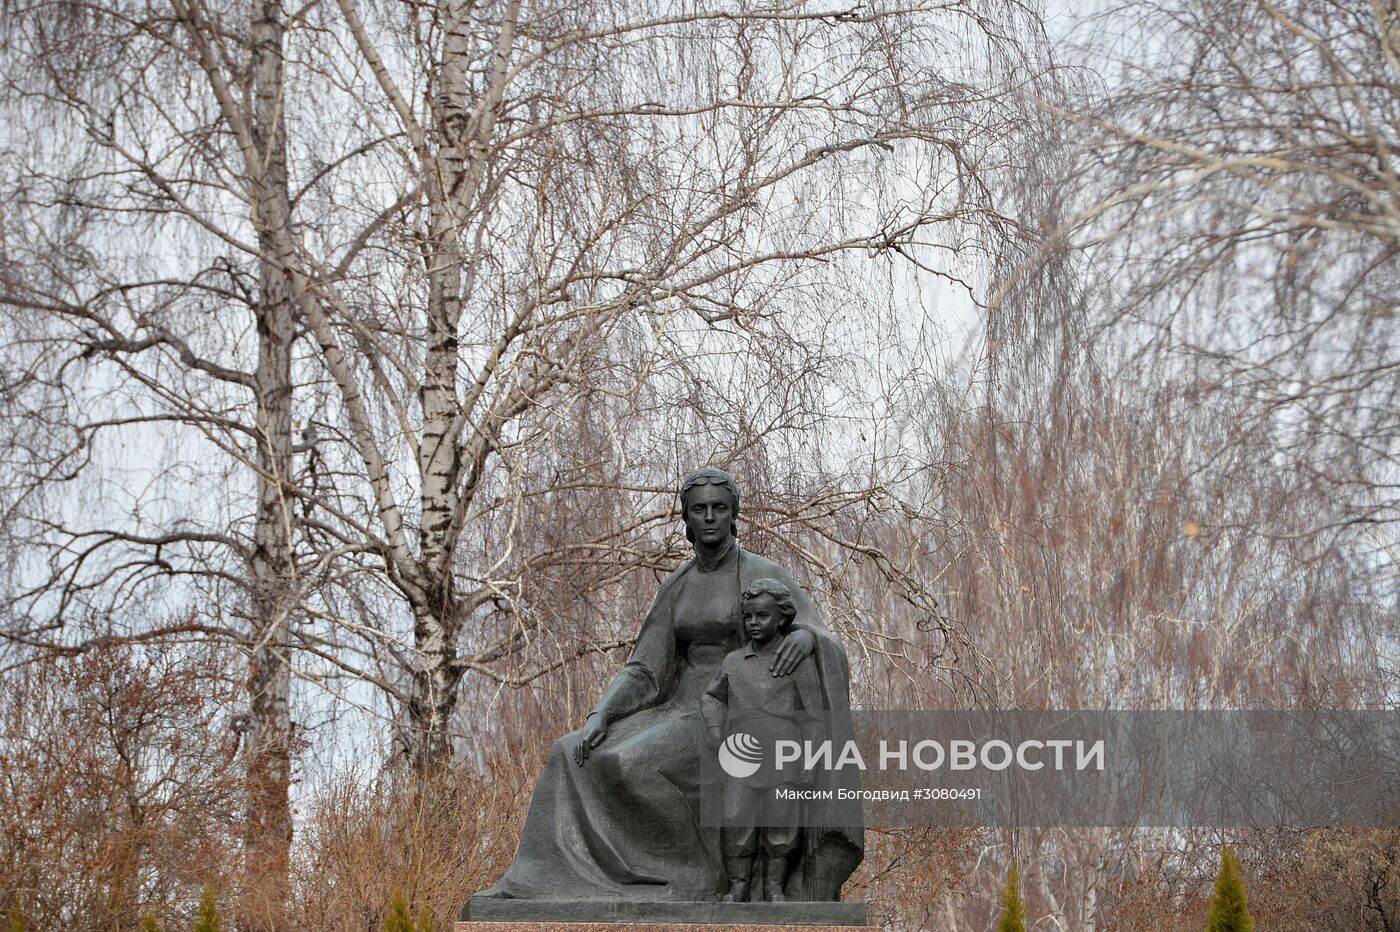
(796, 647)
(595, 730)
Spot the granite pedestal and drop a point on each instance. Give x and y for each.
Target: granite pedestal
(487, 914)
(641, 927)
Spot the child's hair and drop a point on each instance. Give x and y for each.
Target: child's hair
(780, 593)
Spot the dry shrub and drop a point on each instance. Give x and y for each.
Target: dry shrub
(120, 792)
(1332, 878)
(437, 837)
(1298, 881)
(912, 877)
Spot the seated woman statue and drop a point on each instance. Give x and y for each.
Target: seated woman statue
(616, 813)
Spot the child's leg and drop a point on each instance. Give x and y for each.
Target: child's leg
(778, 839)
(739, 837)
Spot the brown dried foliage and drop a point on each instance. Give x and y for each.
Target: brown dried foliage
(120, 794)
(435, 837)
(1298, 881)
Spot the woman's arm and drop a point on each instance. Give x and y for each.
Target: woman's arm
(645, 680)
(714, 707)
(633, 689)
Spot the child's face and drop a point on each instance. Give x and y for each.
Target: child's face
(762, 618)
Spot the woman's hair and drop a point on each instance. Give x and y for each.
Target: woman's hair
(709, 475)
(780, 593)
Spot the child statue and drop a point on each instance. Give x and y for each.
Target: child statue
(747, 698)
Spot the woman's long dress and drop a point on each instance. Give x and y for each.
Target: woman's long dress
(626, 824)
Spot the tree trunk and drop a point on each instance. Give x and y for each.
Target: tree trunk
(449, 184)
(439, 466)
(434, 696)
(268, 833)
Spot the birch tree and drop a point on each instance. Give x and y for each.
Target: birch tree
(151, 326)
(597, 205)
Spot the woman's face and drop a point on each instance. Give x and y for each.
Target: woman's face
(709, 513)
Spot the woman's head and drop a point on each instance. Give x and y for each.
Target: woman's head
(711, 481)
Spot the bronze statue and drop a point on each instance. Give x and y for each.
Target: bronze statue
(616, 813)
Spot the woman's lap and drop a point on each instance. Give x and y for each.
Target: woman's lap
(626, 820)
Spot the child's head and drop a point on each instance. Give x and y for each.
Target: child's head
(768, 610)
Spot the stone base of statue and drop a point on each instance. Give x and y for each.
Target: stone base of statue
(560, 926)
(644, 927)
(491, 914)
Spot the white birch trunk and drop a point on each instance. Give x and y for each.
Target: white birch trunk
(268, 833)
(450, 182)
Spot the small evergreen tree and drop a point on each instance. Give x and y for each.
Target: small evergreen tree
(16, 919)
(149, 924)
(1013, 908)
(399, 918)
(208, 918)
(1229, 906)
(425, 919)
